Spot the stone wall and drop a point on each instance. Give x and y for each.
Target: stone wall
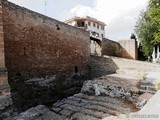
(131, 47)
(5, 100)
(141, 66)
(46, 59)
(125, 48)
(100, 66)
(111, 48)
(44, 46)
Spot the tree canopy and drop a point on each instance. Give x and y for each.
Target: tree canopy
(148, 27)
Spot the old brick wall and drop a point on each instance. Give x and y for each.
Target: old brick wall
(38, 46)
(113, 48)
(5, 100)
(46, 59)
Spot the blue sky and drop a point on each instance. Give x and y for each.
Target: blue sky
(119, 15)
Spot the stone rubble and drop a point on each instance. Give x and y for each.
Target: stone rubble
(79, 107)
(111, 97)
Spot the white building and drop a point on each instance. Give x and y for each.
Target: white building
(95, 27)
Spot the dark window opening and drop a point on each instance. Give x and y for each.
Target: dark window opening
(94, 25)
(57, 27)
(24, 50)
(18, 74)
(80, 24)
(76, 69)
(89, 23)
(102, 35)
(97, 26)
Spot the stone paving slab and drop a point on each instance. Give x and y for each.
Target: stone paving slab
(151, 83)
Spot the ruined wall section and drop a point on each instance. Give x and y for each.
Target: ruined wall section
(113, 48)
(124, 48)
(37, 45)
(141, 66)
(131, 47)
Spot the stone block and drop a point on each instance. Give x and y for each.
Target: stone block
(66, 113)
(81, 116)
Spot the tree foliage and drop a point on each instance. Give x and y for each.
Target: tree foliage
(148, 27)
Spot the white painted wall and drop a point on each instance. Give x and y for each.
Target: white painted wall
(92, 28)
(73, 23)
(92, 47)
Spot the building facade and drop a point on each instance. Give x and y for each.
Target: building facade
(96, 29)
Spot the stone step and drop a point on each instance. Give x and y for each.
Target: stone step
(95, 106)
(83, 110)
(105, 99)
(81, 116)
(39, 112)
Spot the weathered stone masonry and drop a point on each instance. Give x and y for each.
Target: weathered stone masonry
(44, 46)
(124, 48)
(37, 50)
(5, 100)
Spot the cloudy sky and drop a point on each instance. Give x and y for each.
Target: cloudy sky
(119, 15)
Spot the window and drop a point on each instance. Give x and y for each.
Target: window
(102, 35)
(97, 26)
(89, 23)
(97, 35)
(102, 27)
(80, 24)
(94, 25)
(76, 69)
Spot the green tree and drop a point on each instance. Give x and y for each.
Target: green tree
(148, 27)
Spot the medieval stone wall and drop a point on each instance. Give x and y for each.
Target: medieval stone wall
(36, 45)
(46, 59)
(131, 47)
(126, 64)
(124, 48)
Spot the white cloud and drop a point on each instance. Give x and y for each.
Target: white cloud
(78, 10)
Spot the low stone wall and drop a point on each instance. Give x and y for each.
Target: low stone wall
(134, 65)
(130, 47)
(124, 48)
(111, 48)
